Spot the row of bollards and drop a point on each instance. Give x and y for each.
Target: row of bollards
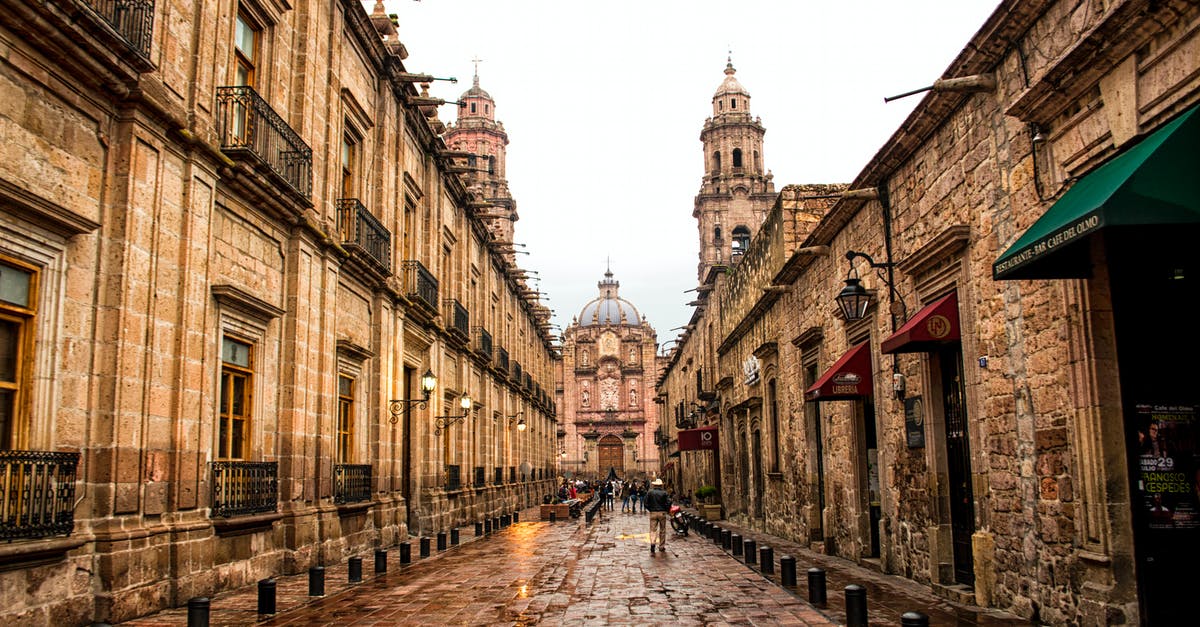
(199, 608)
(764, 557)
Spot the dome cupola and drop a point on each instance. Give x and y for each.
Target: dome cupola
(609, 308)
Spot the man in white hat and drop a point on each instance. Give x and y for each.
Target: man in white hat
(657, 502)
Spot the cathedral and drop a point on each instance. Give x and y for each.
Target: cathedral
(608, 420)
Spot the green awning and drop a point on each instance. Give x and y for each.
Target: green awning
(1156, 181)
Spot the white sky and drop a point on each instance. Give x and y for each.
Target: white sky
(603, 102)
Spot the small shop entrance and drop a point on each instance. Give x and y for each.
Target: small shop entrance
(958, 462)
(869, 472)
(1153, 269)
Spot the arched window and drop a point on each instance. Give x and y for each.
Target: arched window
(733, 103)
(737, 157)
(773, 407)
(741, 239)
(716, 161)
(757, 163)
(491, 164)
(717, 233)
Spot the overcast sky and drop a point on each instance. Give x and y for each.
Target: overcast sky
(603, 102)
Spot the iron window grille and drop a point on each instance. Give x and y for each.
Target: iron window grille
(453, 477)
(244, 488)
(351, 483)
(37, 493)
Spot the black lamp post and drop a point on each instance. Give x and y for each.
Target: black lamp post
(397, 406)
(854, 299)
(444, 422)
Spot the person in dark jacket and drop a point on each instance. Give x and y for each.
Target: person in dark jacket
(657, 502)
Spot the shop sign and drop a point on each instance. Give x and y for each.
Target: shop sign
(914, 421)
(1167, 465)
(750, 369)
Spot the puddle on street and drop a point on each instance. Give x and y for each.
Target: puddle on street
(635, 536)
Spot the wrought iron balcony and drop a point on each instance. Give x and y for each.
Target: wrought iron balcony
(250, 128)
(37, 494)
(364, 233)
(133, 20)
(453, 477)
(483, 343)
(244, 488)
(420, 285)
(458, 318)
(502, 360)
(528, 382)
(516, 371)
(351, 483)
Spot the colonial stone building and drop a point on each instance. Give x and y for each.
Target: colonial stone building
(232, 242)
(608, 418)
(986, 410)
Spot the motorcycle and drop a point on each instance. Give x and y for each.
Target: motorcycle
(678, 522)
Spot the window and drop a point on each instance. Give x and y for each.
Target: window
(487, 108)
(18, 288)
(717, 161)
(733, 103)
(717, 233)
(472, 107)
(237, 377)
(737, 157)
(491, 164)
(349, 164)
(345, 421)
(773, 407)
(245, 39)
(741, 239)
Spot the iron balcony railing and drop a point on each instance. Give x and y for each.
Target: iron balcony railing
(420, 284)
(516, 371)
(483, 342)
(132, 19)
(249, 126)
(459, 319)
(502, 360)
(528, 382)
(480, 476)
(351, 483)
(244, 488)
(37, 494)
(364, 232)
(453, 477)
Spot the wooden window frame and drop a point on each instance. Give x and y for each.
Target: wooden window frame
(18, 431)
(229, 371)
(344, 448)
(240, 59)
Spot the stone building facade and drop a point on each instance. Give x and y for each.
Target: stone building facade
(608, 419)
(1003, 423)
(232, 240)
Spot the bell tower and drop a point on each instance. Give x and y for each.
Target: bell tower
(735, 192)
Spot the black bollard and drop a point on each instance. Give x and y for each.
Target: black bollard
(750, 547)
(787, 571)
(405, 552)
(735, 542)
(914, 619)
(856, 606)
(726, 539)
(441, 540)
(552, 518)
(816, 587)
(424, 546)
(766, 560)
(716, 534)
(487, 525)
(505, 520)
(380, 561)
(316, 581)
(354, 570)
(478, 529)
(266, 596)
(516, 517)
(198, 612)
(496, 523)
(454, 537)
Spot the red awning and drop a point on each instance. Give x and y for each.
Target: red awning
(702, 439)
(847, 379)
(934, 325)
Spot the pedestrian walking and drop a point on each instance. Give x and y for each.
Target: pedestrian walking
(625, 490)
(657, 503)
(639, 491)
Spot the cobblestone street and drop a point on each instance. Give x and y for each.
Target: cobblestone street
(534, 572)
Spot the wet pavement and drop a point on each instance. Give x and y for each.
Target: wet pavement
(573, 573)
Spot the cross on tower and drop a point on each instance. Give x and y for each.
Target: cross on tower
(477, 61)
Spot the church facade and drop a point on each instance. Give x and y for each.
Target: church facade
(608, 419)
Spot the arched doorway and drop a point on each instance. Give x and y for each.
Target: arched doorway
(612, 455)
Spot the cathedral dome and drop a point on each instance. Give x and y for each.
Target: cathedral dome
(730, 85)
(609, 308)
(475, 91)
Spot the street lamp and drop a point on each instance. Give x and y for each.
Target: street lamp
(521, 426)
(854, 299)
(397, 406)
(444, 422)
